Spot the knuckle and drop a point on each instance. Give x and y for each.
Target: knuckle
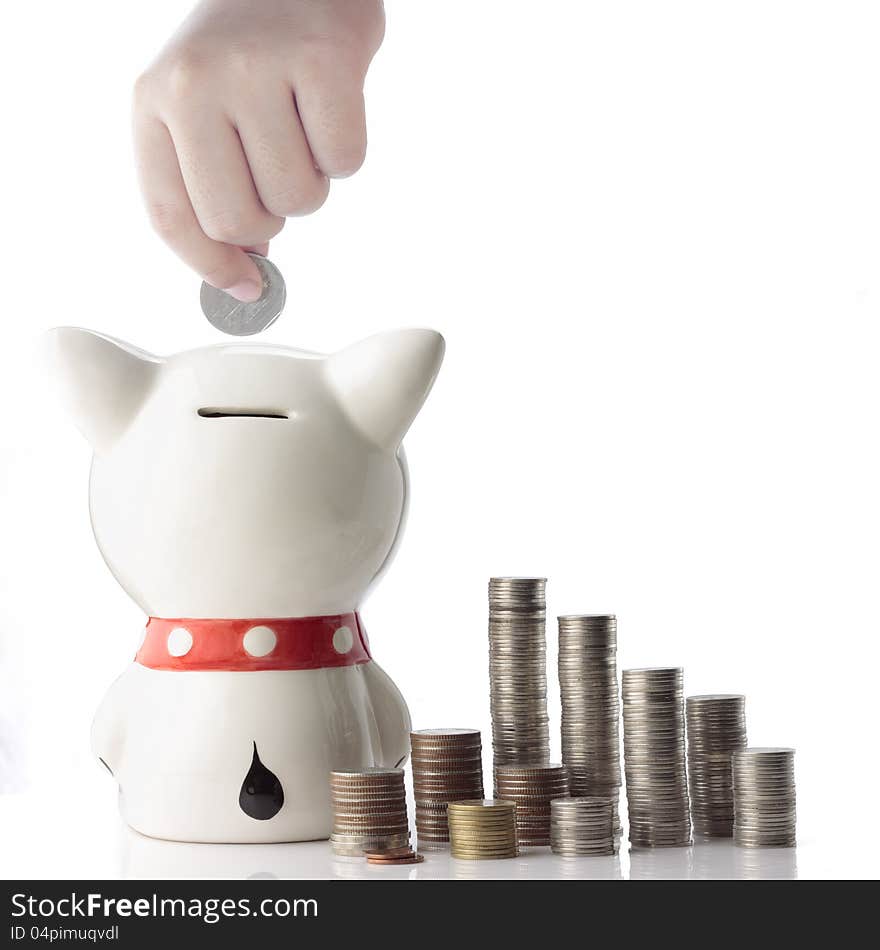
(299, 198)
(347, 51)
(169, 221)
(319, 62)
(273, 227)
(142, 91)
(339, 159)
(227, 227)
(184, 75)
(240, 227)
(245, 58)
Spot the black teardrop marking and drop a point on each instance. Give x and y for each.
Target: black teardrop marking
(261, 794)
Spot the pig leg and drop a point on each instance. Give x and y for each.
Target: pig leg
(108, 728)
(391, 716)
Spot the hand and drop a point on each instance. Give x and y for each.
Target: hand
(243, 118)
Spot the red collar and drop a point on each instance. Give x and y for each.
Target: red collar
(287, 643)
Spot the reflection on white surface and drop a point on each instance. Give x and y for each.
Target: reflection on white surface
(751, 864)
(660, 864)
(713, 859)
(706, 860)
(144, 858)
(589, 869)
(82, 837)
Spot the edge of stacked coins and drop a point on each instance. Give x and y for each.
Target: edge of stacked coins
(482, 829)
(518, 670)
(590, 704)
(583, 826)
(532, 788)
(716, 728)
(389, 857)
(447, 766)
(369, 810)
(765, 807)
(654, 757)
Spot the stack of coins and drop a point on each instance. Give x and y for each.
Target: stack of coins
(716, 728)
(583, 826)
(518, 670)
(393, 856)
(447, 767)
(764, 798)
(369, 810)
(532, 788)
(654, 758)
(590, 705)
(482, 829)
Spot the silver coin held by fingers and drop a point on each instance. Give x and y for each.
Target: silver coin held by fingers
(245, 319)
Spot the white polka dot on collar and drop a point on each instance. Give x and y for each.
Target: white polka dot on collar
(343, 640)
(179, 641)
(260, 641)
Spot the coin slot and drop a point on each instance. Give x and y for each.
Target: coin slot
(212, 413)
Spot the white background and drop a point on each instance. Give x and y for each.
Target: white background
(650, 233)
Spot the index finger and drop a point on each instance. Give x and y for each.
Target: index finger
(172, 216)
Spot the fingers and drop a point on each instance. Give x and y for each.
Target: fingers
(174, 218)
(330, 100)
(235, 136)
(218, 180)
(280, 160)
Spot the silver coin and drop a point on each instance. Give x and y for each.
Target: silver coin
(584, 826)
(587, 672)
(245, 319)
(655, 757)
(517, 670)
(716, 729)
(764, 797)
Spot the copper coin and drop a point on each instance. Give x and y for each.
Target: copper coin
(396, 855)
(415, 859)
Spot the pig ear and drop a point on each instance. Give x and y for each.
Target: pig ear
(101, 381)
(382, 381)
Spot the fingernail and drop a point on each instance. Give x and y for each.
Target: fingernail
(247, 291)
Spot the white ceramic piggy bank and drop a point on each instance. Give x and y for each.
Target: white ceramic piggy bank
(246, 497)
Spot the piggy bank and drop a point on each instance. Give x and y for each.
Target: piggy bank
(246, 497)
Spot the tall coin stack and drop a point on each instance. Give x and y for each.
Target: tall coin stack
(590, 704)
(482, 829)
(532, 788)
(583, 826)
(369, 811)
(518, 670)
(447, 766)
(764, 798)
(716, 728)
(654, 758)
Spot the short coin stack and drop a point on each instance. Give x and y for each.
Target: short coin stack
(654, 757)
(532, 788)
(518, 670)
(590, 704)
(583, 826)
(369, 811)
(392, 856)
(716, 728)
(482, 829)
(764, 798)
(447, 766)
